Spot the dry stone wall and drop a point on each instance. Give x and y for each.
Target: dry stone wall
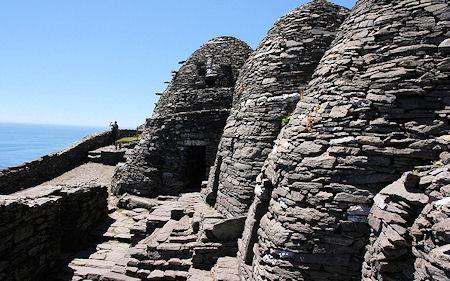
(270, 85)
(49, 166)
(409, 228)
(376, 105)
(180, 141)
(431, 242)
(29, 234)
(38, 224)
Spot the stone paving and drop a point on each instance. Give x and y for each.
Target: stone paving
(86, 173)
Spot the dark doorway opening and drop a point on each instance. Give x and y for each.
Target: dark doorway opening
(195, 167)
(210, 81)
(227, 71)
(201, 69)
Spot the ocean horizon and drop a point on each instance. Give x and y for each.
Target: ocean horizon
(23, 142)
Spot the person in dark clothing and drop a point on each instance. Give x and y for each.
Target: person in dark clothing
(114, 132)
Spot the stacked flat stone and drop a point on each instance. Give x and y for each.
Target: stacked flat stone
(389, 253)
(410, 227)
(269, 87)
(431, 232)
(38, 224)
(377, 102)
(191, 112)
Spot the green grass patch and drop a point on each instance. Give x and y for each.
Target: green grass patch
(285, 120)
(129, 139)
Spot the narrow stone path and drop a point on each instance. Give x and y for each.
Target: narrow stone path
(86, 173)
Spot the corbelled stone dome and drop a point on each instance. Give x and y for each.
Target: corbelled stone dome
(374, 109)
(269, 87)
(179, 142)
(204, 80)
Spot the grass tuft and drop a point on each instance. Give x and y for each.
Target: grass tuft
(129, 139)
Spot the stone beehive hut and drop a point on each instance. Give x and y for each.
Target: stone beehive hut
(267, 91)
(179, 142)
(377, 102)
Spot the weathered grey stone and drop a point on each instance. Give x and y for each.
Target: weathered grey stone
(226, 230)
(128, 201)
(179, 142)
(399, 247)
(445, 45)
(376, 105)
(269, 86)
(37, 226)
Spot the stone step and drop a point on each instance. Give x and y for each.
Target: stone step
(138, 232)
(167, 251)
(205, 255)
(121, 237)
(90, 273)
(135, 272)
(226, 269)
(184, 239)
(170, 275)
(171, 264)
(93, 263)
(95, 158)
(112, 276)
(199, 275)
(154, 222)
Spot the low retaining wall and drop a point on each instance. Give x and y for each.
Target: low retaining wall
(49, 166)
(39, 223)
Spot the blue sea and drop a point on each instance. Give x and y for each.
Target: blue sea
(24, 142)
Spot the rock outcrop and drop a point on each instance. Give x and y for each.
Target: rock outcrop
(376, 105)
(269, 87)
(180, 141)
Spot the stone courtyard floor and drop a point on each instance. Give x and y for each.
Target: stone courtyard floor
(86, 173)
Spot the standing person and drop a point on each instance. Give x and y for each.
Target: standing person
(114, 132)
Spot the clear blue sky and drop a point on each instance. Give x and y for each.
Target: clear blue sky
(87, 62)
